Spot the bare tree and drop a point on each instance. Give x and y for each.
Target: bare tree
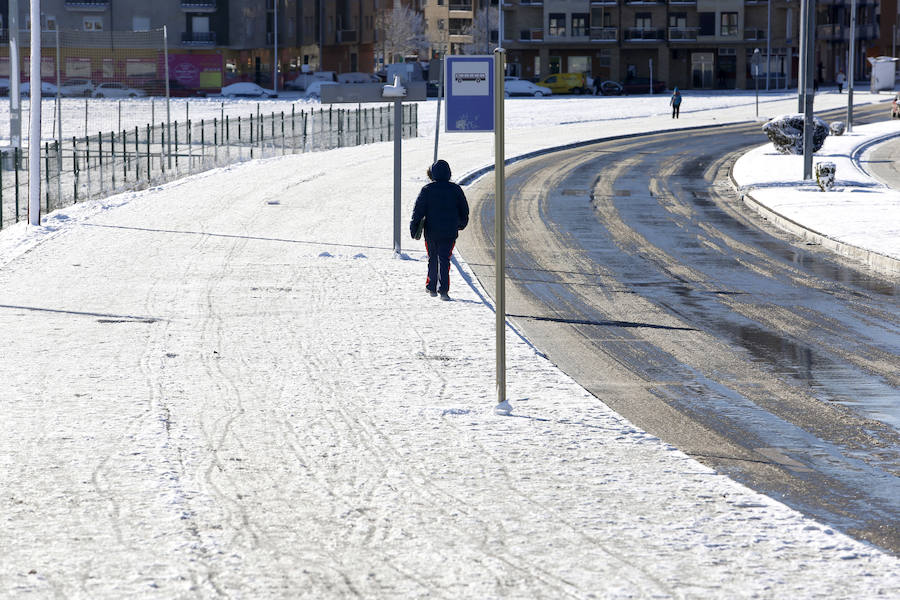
(403, 33)
(486, 20)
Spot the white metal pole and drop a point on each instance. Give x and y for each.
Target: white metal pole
(168, 98)
(275, 53)
(651, 76)
(34, 137)
(809, 66)
(59, 124)
(15, 77)
(768, 42)
(398, 163)
(851, 63)
(503, 407)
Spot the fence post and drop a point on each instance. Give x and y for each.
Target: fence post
(2, 156)
(87, 164)
(112, 168)
(282, 133)
(16, 181)
(176, 146)
(251, 136)
(202, 143)
(75, 168)
(293, 130)
(227, 139)
(137, 155)
(216, 139)
(162, 149)
(47, 174)
(149, 165)
(124, 159)
(187, 135)
(100, 158)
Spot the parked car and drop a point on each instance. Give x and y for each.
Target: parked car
(565, 83)
(641, 85)
(179, 90)
(314, 89)
(114, 89)
(357, 78)
(245, 89)
(612, 88)
(302, 81)
(77, 87)
(521, 87)
(47, 89)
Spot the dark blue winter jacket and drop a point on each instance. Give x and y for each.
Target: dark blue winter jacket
(443, 204)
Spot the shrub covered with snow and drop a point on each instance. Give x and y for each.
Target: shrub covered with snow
(837, 128)
(825, 175)
(786, 133)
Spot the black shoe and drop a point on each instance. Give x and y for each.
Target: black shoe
(431, 292)
(445, 297)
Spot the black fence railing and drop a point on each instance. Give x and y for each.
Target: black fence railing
(79, 169)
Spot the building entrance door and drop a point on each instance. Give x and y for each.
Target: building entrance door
(702, 65)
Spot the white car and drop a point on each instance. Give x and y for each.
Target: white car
(77, 87)
(115, 89)
(47, 89)
(314, 89)
(521, 87)
(245, 89)
(357, 77)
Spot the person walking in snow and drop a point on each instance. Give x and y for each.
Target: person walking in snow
(675, 102)
(443, 206)
(840, 79)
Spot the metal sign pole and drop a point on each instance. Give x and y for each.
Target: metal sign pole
(398, 135)
(851, 62)
(808, 119)
(503, 407)
(34, 137)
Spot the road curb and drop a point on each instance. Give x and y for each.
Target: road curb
(881, 263)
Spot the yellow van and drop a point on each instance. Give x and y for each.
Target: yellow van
(565, 83)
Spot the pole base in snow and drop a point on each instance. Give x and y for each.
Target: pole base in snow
(503, 409)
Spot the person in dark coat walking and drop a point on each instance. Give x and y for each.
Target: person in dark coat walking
(675, 101)
(445, 209)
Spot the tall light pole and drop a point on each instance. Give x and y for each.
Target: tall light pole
(15, 77)
(851, 60)
(34, 136)
(275, 50)
(809, 6)
(768, 43)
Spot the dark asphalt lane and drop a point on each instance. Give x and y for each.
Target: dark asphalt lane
(634, 266)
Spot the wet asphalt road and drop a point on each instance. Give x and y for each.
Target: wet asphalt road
(633, 265)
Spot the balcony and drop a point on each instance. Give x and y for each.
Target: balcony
(87, 5)
(461, 6)
(841, 33)
(682, 2)
(531, 2)
(644, 34)
(198, 38)
(683, 34)
(604, 34)
(751, 35)
(531, 35)
(347, 36)
(198, 6)
(604, 2)
(630, 2)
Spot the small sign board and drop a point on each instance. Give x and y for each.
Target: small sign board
(369, 92)
(470, 93)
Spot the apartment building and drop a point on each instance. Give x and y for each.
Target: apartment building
(700, 44)
(336, 35)
(450, 24)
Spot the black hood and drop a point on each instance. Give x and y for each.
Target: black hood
(440, 171)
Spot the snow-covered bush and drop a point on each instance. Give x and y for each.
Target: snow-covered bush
(825, 175)
(786, 133)
(837, 128)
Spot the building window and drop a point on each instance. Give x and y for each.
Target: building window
(50, 23)
(580, 25)
(728, 24)
(707, 23)
(200, 24)
(557, 25)
(92, 23)
(678, 20)
(642, 20)
(140, 23)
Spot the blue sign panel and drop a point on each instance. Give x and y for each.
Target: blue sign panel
(470, 93)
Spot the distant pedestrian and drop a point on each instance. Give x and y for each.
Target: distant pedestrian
(840, 79)
(443, 206)
(675, 101)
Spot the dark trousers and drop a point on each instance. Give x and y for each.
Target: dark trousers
(439, 251)
(675, 111)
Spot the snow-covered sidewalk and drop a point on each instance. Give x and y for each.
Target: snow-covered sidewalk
(228, 386)
(859, 217)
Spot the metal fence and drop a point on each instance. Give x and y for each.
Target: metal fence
(95, 166)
